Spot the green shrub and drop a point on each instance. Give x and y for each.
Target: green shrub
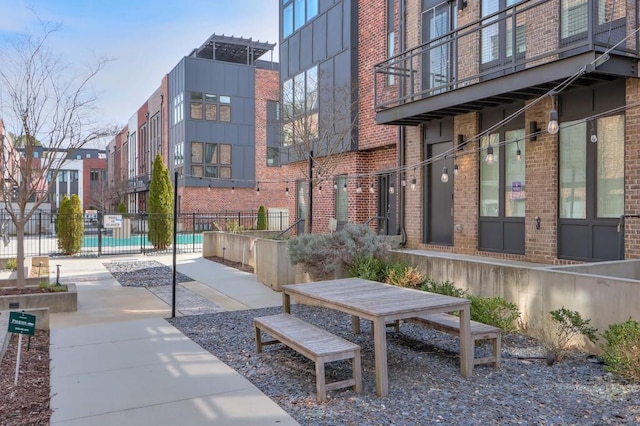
(160, 206)
(567, 324)
(622, 350)
(495, 311)
(403, 274)
(12, 264)
(262, 219)
(322, 254)
(445, 287)
(234, 227)
(368, 268)
(122, 208)
(70, 223)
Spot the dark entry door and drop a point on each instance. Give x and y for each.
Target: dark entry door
(439, 196)
(387, 211)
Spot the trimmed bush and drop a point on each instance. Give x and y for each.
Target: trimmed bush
(495, 311)
(70, 225)
(262, 219)
(122, 208)
(622, 350)
(160, 206)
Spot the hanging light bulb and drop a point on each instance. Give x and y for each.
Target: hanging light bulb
(344, 187)
(489, 154)
(553, 127)
(594, 134)
(359, 188)
(392, 188)
(371, 190)
(518, 154)
(286, 190)
(258, 190)
(403, 182)
(320, 189)
(335, 185)
(233, 189)
(455, 169)
(209, 188)
(445, 175)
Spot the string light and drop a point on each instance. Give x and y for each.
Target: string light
(403, 182)
(594, 134)
(553, 127)
(518, 153)
(392, 188)
(286, 190)
(359, 188)
(455, 169)
(233, 189)
(258, 189)
(335, 185)
(344, 188)
(371, 190)
(209, 188)
(489, 154)
(445, 175)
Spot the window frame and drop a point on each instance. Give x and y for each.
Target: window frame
(216, 167)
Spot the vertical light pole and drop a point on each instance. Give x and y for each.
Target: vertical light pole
(175, 239)
(310, 215)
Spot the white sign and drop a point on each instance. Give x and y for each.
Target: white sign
(113, 221)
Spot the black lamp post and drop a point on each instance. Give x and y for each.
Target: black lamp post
(175, 240)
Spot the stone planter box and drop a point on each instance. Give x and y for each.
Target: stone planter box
(56, 302)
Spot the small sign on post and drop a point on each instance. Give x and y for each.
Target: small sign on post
(21, 323)
(112, 221)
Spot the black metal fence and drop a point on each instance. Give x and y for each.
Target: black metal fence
(116, 233)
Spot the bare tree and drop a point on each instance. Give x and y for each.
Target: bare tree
(43, 100)
(319, 124)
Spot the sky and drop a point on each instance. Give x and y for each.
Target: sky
(145, 38)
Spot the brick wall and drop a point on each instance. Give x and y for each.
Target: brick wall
(632, 171)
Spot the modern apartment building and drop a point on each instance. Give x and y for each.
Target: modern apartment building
(213, 121)
(521, 124)
(330, 139)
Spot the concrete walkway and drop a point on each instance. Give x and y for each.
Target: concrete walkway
(116, 361)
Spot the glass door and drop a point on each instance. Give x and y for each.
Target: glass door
(437, 21)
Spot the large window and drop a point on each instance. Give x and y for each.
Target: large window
(178, 154)
(391, 37)
(342, 199)
(295, 13)
(178, 105)
(573, 17)
(211, 160)
(497, 38)
(300, 99)
(502, 180)
(210, 107)
(575, 191)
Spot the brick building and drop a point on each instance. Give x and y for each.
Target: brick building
(520, 119)
(212, 121)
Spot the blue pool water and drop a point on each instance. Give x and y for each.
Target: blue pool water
(136, 240)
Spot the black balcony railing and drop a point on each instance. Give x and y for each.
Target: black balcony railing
(545, 31)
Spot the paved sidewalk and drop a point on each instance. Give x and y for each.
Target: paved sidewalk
(118, 362)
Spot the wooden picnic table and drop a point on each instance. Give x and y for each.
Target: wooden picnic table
(383, 303)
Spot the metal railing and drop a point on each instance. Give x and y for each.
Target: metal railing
(545, 31)
(117, 233)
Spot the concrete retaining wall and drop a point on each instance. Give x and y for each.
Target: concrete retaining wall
(56, 302)
(273, 267)
(537, 290)
(235, 247)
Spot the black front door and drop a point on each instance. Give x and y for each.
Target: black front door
(439, 195)
(387, 211)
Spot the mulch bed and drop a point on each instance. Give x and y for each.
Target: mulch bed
(227, 262)
(12, 291)
(26, 403)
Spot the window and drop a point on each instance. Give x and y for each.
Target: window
(273, 157)
(210, 107)
(610, 172)
(73, 175)
(300, 101)
(510, 188)
(178, 114)
(296, 13)
(391, 37)
(573, 17)
(62, 176)
(573, 170)
(497, 38)
(88, 155)
(341, 201)
(78, 157)
(211, 160)
(178, 156)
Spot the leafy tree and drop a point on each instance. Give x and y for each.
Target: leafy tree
(262, 218)
(70, 225)
(160, 206)
(43, 101)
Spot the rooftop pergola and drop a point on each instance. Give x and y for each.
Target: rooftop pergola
(233, 49)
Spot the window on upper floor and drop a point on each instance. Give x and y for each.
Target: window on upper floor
(299, 112)
(178, 154)
(273, 156)
(212, 160)
(391, 37)
(210, 107)
(295, 13)
(178, 108)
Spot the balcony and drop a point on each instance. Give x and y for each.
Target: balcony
(138, 184)
(486, 63)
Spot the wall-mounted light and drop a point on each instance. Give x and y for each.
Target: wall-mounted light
(461, 5)
(392, 188)
(413, 180)
(533, 131)
(594, 134)
(553, 127)
(489, 154)
(444, 178)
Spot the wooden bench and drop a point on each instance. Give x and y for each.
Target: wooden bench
(314, 343)
(451, 324)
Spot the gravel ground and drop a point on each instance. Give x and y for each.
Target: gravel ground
(424, 378)
(147, 273)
